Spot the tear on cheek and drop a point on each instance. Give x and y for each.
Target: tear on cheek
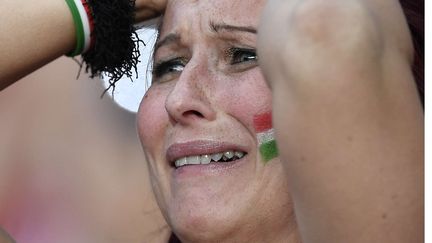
(265, 136)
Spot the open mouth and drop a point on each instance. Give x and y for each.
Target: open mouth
(205, 159)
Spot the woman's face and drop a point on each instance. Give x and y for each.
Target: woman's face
(207, 92)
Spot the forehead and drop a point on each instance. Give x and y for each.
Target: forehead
(189, 14)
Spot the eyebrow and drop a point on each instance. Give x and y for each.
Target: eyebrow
(170, 38)
(218, 27)
(175, 37)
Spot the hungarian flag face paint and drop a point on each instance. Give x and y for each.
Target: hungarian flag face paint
(265, 136)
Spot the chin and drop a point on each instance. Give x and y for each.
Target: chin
(202, 223)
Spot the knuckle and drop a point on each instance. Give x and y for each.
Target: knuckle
(333, 22)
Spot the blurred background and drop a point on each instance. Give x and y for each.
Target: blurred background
(71, 165)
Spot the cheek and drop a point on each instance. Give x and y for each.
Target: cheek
(248, 97)
(265, 136)
(152, 118)
(253, 107)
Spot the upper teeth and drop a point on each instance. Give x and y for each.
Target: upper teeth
(207, 158)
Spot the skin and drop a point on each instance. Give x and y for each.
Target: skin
(347, 116)
(209, 98)
(350, 133)
(5, 238)
(34, 41)
(147, 9)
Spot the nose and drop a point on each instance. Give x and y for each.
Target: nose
(189, 100)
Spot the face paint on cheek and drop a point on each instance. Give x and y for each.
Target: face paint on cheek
(265, 136)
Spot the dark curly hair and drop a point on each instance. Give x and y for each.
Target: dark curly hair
(116, 49)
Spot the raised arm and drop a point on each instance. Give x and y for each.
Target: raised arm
(37, 32)
(33, 34)
(348, 119)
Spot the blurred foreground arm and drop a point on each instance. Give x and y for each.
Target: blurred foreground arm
(348, 118)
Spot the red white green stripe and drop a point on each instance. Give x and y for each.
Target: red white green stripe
(265, 136)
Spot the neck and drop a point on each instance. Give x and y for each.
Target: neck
(282, 233)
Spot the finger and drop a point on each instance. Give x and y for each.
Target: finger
(145, 13)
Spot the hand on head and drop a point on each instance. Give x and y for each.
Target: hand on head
(147, 9)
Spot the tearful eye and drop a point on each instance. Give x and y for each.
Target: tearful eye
(164, 71)
(240, 55)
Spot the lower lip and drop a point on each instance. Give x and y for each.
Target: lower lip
(214, 168)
